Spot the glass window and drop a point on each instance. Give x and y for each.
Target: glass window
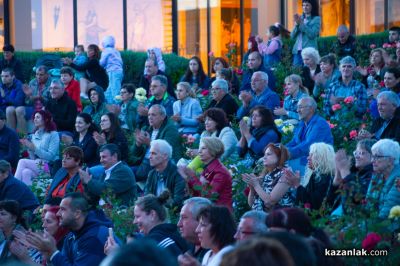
(149, 24)
(1, 23)
(373, 10)
(100, 18)
(394, 13)
(52, 25)
(334, 14)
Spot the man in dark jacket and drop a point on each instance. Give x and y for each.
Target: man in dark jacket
(164, 174)
(62, 107)
(84, 245)
(345, 44)
(151, 70)
(13, 189)
(118, 177)
(222, 99)
(9, 142)
(11, 90)
(9, 61)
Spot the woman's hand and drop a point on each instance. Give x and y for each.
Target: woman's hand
(363, 71)
(99, 138)
(27, 143)
(280, 111)
(192, 152)
(20, 251)
(251, 179)
(187, 260)
(293, 179)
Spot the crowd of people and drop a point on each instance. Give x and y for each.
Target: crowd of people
(103, 142)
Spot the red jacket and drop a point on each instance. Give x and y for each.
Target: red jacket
(74, 92)
(219, 185)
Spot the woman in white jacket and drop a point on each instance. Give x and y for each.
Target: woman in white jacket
(43, 147)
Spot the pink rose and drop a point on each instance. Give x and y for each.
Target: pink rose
(372, 46)
(385, 45)
(353, 134)
(286, 92)
(211, 54)
(370, 241)
(232, 45)
(348, 100)
(307, 205)
(331, 125)
(336, 107)
(323, 95)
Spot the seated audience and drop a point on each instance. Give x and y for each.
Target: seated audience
(252, 223)
(83, 138)
(67, 178)
(150, 217)
(351, 182)
(195, 75)
(346, 43)
(311, 68)
(164, 174)
(312, 189)
(71, 86)
(383, 192)
(97, 105)
(261, 94)
(118, 177)
(258, 135)
(13, 189)
(62, 107)
(295, 91)
(38, 93)
(43, 147)
(344, 87)
(9, 142)
(127, 110)
(374, 73)
(12, 95)
(186, 109)
(151, 69)
(9, 60)
(328, 75)
(233, 81)
(273, 190)
(222, 99)
(311, 129)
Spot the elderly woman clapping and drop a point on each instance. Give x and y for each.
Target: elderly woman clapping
(384, 188)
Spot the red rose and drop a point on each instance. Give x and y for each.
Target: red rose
(205, 92)
(25, 154)
(353, 134)
(370, 241)
(307, 205)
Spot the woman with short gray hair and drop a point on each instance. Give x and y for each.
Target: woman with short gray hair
(383, 191)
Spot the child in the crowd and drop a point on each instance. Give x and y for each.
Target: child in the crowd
(79, 59)
(271, 50)
(111, 61)
(71, 86)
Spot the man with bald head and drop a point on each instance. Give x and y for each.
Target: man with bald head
(345, 44)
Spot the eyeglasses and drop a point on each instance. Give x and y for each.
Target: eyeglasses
(378, 157)
(54, 88)
(215, 89)
(359, 153)
(245, 232)
(299, 107)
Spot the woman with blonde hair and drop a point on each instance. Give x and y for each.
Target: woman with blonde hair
(186, 109)
(272, 191)
(295, 91)
(313, 187)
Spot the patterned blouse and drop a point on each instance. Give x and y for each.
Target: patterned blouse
(268, 183)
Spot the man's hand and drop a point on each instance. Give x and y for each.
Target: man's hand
(246, 98)
(142, 138)
(142, 110)
(280, 111)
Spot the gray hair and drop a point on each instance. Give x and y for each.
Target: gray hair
(163, 147)
(390, 96)
(310, 101)
(387, 147)
(348, 60)
(162, 79)
(160, 108)
(197, 204)
(58, 83)
(312, 53)
(259, 220)
(263, 75)
(222, 84)
(343, 28)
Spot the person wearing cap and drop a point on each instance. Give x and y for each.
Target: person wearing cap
(346, 86)
(10, 61)
(9, 142)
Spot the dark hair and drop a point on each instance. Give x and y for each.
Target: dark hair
(74, 152)
(274, 30)
(9, 70)
(96, 50)
(143, 252)
(201, 75)
(394, 70)
(78, 201)
(49, 124)
(218, 115)
(80, 46)
(129, 87)
(223, 62)
(258, 252)
(42, 68)
(114, 127)
(228, 75)
(112, 148)
(8, 48)
(291, 219)
(4, 166)
(2, 115)
(394, 28)
(267, 118)
(315, 7)
(67, 70)
(151, 202)
(88, 120)
(330, 59)
(13, 207)
(223, 226)
(254, 44)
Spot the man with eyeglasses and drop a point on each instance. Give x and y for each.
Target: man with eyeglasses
(261, 94)
(312, 128)
(344, 87)
(251, 223)
(62, 107)
(387, 125)
(222, 99)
